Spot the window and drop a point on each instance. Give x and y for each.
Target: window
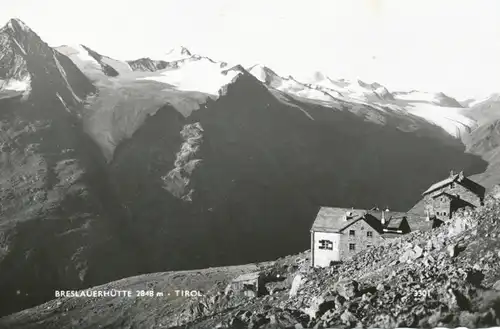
(326, 244)
(369, 234)
(352, 233)
(352, 246)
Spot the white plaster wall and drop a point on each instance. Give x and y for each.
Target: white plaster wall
(323, 257)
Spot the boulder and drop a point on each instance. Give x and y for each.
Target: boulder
(348, 318)
(452, 250)
(418, 252)
(408, 256)
(296, 284)
(347, 288)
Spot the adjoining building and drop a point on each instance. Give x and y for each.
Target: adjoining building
(249, 285)
(456, 192)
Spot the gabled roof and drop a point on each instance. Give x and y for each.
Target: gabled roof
(440, 184)
(387, 214)
(393, 219)
(331, 219)
(469, 184)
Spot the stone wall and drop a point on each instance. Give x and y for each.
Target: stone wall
(435, 205)
(360, 239)
(442, 207)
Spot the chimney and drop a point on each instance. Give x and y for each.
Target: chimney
(452, 173)
(461, 176)
(383, 218)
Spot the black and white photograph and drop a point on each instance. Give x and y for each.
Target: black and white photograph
(249, 164)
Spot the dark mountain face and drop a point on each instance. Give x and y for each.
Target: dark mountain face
(56, 215)
(148, 64)
(239, 180)
(242, 179)
(107, 69)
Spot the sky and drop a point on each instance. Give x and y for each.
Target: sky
(432, 45)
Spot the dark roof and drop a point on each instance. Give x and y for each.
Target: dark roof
(394, 223)
(469, 184)
(331, 219)
(441, 184)
(387, 214)
(474, 187)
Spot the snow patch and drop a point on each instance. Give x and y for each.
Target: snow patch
(177, 54)
(63, 73)
(16, 85)
(449, 118)
(20, 47)
(202, 75)
(78, 54)
(428, 97)
(289, 85)
(120, 67)
(63, 102)
(88, 64)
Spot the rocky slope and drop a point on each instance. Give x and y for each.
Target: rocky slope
(448, 277)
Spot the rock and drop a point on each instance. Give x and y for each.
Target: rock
(408, 256)
(348, 318)
(381, 287)
(384, 321)
(347, 288)
(318, 306)
(418, 252)
(495, 193)
(496, 285)
(339, 301)
(452, 250)
(296, 284)
(237, 323)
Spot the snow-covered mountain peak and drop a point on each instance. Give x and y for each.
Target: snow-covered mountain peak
(30, 66)
(437, 98)
(265, 75)
(93, 63)
(177, 53)
(17, 25)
